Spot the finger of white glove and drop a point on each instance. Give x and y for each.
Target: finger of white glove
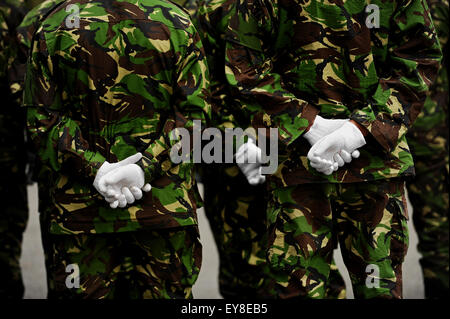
(147, 187)
(249, 153)
(346, 156)
(114, 204)
(319, 163)
(338, 159)
(253, 175)
(128, 195)
(122, 201)
(327, 171)
(355, 154)
(318, 160)
(111, 199)
(102, 186)
(256, 180)
(111, 193)
(136, 191)
(133, 159)
(335, 167)
(262, 179)
(319, 166)
(248, 168)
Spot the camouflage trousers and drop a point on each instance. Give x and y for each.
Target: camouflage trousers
(236, 213)
(13, 220)
(428, 194)
(369, 220)
(153, 264)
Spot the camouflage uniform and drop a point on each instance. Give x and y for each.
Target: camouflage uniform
(235, 210)
(133, 265)
(25, 32)
(13, 192)
(428, 192)
(116, 84)
(292, 60)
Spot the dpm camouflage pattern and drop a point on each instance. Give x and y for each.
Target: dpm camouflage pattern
(236, 213)
(369, 220)
(296, 59)
(115, 85)
(13, 193)
(162, 264)
(235, 210)
(25, 31)
(428, 192)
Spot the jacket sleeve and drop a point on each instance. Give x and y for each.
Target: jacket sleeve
(190, 101)
(56, 136)
(413, 56)
(250, 72)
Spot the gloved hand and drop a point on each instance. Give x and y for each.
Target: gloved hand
(336, 149)
(108, 167)
(248, 158)
(123, 185)
(322, 127)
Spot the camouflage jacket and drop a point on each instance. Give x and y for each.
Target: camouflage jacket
(107, 79)
(297, 59)
(191, 6)
(12, 117)
(211, 18)
(428, 137)
(26, 30)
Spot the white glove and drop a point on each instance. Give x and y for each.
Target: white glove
(333, 150)
(123, 185)
(248, 158)
(322, 127)
(108, 167)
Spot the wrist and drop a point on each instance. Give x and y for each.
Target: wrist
(311, 122)
(362, 129)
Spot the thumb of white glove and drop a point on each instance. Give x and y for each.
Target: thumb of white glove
(322, 127)
(249, 160)
(108, 167)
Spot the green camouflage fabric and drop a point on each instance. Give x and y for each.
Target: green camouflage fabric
(117, 84)
(159, 264)
(191, 6)
(367, 219)
(13, 193)
(236, 215)
(25, 32)
(428, 192)
(235, 210)
(292, 60)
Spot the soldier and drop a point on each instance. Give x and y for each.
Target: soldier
(339, 80)
(13, 192)
(428, 191)
(235, 210)
(106, 82)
